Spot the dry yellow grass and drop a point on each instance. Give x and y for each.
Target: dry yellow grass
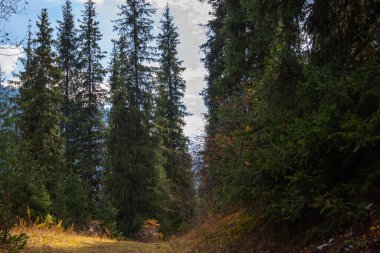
(59, 241)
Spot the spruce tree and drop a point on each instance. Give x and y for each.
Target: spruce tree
(40, 158)
(7, 136)
(7, 106)
(137, 183)
(67, 51)
(9, 178)
(213, 95)
(90, 98)
(67, 47)
(170, 113)
(117, 138)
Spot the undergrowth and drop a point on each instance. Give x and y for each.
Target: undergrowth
(244, 232)
(48, 235)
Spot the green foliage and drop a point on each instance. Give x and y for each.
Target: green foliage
(40, 160)
(67, 47)
(9, 190)
(9, 178)
(90, 99)
(76, 201)
(135, 179)
(295, 132)
(12, 243)
(169, 120)
(107, 213)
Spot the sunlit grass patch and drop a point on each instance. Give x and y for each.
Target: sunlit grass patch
(49, 240)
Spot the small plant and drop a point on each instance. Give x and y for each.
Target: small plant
(22, 223)
(71, 228)
(48, 222)
(12, 243)
(9, 242)
(149, 231)
(29, 213)
(59, 224)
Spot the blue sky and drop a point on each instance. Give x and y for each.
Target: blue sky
(188, 15)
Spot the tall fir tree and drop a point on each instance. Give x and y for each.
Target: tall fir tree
(67, 47)
(137, 183)
(67, 42)
(10, 186)
(91, 100)
(170, 113)
(40, 158)
(7, 137)
(117, 138)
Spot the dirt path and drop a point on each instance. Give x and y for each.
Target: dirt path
(53, 241)
(102, 247)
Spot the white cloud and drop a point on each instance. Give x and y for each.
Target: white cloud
(194, 73)
(190, 96)
(197, 10)
(194, 104)
(8, 58)
(194, 126)
(95, 1)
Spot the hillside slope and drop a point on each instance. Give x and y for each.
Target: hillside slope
(240, 232)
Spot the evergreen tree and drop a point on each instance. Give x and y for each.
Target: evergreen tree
(40, 158)
(286, 91)
(136, 182)
(90, 98)
(67, 45)
(7, 106)
(67, 51)
(9, 178)
(170, 113)
(212, 94)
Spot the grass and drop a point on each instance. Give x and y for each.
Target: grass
(55, 240)
(236, 232)
(214, 234)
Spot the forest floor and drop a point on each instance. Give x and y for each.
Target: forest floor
(238, 232)
(59, 241)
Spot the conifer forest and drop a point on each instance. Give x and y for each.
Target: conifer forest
(92, 140)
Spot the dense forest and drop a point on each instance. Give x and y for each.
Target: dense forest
(66, 155)
(292, 133)
(294, 118)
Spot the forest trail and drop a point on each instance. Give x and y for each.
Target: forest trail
(49, 241)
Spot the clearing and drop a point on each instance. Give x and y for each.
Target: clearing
(59, 241)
